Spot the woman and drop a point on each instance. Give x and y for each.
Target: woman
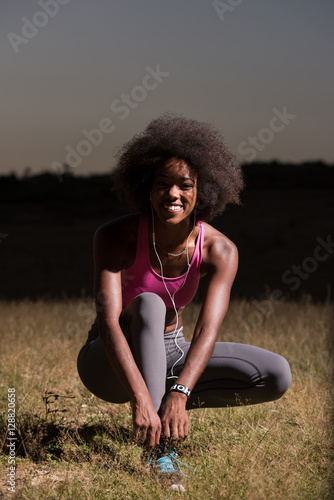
(179, 174)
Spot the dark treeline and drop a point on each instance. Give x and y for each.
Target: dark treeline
(47, 186)
(48, 222)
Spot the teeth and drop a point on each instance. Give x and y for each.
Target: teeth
(173, 207)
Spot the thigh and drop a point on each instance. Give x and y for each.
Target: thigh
(239, 365)
(97, 374)
(239, 374)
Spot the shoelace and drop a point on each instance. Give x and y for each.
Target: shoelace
(166, 465)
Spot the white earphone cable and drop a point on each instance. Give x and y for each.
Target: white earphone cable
(172, 297)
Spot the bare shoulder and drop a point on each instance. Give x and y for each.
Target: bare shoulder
(116, 240)
(218, 250)
(119, 226)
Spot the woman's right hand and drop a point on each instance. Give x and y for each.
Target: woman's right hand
(146, 422)
(109, 260)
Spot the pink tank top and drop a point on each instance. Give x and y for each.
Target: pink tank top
(141, 277)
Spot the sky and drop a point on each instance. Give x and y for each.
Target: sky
(81, 77)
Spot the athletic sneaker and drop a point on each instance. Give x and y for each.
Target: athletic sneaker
(164, 466)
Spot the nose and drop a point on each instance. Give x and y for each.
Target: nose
(173, 191)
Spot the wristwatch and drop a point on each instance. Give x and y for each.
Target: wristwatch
(180, 388)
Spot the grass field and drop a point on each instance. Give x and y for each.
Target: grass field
(72, 445)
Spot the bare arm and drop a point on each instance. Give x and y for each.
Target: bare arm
(221, 262)
(108, 299)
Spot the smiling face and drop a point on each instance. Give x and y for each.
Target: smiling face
(174, 191)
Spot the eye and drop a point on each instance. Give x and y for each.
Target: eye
(186, 186)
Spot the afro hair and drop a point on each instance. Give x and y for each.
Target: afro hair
(199, 144)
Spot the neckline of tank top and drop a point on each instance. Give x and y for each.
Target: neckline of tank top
(197, 249)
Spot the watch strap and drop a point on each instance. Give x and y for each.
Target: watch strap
(180, 388)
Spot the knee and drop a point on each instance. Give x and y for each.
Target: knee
(152, 299)
(151, 305)
(147, 309)
(280, 377)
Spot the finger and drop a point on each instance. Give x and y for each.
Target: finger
(150, 442)
(186, 428)
(181, 432)
(157, 437)
(139, 435)
(175, 432)
(143, 435)
(166, 430)
(153, 437)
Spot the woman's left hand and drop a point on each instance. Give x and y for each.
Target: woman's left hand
(174, 418)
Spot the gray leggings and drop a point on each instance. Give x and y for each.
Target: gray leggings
(235, 374)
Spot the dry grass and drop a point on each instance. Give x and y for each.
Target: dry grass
(76, 446)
